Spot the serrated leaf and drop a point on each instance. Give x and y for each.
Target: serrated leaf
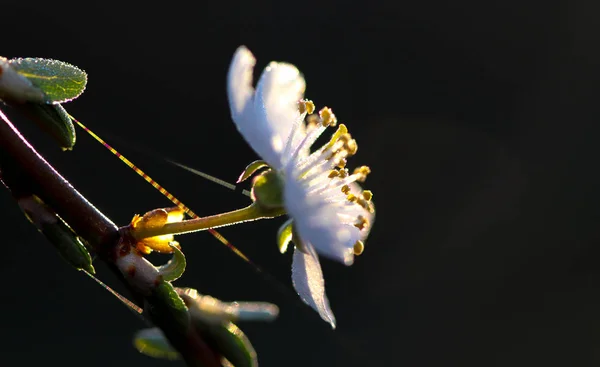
(173, 269)
(59, 81)
(51, 118)
(251, 169)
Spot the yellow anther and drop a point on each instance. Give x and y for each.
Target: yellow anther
(361, 222)
(307, 106)
(362, 173)
(312, 121)
(346, 189)
(343, 173)
(333, 173)
(352, 198)
(351, 147)
(327, 117)
(367, 195)
(359, 247)
(341, 163)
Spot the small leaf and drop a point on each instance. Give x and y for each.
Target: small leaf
(253, 311)
(61, 82)
(165, 300)
(51, 118)
(251, 169)
(69, 246)
(15, 87)
(284, 235)
(230, 342)
(173, 269)
(63, 238)
(152, 342)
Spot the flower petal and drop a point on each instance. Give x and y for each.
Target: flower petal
(317, 221)
(307, 278)
(265, 118)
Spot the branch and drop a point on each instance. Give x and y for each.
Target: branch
(24, 171)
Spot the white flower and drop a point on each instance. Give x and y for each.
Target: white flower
(331, 214)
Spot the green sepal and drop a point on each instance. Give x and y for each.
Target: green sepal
(153, 343)
(251, 169)
(51, 118)
(284, 235)
(59, 81)
(173, 269)
(68, 244)
(267, 190)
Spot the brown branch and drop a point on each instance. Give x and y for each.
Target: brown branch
(24, 171)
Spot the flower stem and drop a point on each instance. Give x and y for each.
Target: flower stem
(249, 213)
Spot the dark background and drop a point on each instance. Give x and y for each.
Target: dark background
(478, 119)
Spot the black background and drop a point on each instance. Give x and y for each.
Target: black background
(478, 119)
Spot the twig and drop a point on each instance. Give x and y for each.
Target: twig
(23, 170)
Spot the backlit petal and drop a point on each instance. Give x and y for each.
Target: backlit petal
(307, 278)
(265, 118)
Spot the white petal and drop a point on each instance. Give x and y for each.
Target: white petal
(239, 81)
(307, 278)
(264, 118)
(317, 221)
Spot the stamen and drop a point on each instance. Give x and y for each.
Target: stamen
(359, 247)
(362, 173)
(342, 129)
(346, 189)
(367, 195)
(312, 121)
(307, 106)
(327, 117)
(361, 222)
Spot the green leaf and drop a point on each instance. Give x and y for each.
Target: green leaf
(64, 239)
(173, 269)
(165, 300)
(229, 341)
(51, 118)
(61, 82)
(251, 169)
(152, 342)
(69, 245)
